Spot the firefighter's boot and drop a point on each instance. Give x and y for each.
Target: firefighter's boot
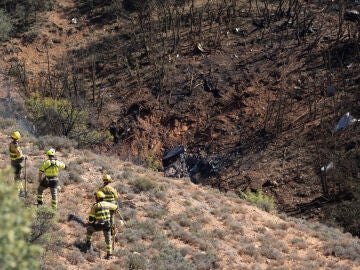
(88, 247)
(108, 257)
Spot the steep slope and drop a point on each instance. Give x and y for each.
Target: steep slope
(257, 101)
(173, 223)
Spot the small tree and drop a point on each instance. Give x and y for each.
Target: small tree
(61, 117)
(15, 251)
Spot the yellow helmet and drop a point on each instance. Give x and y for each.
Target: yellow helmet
(100, 195)
(50, 152)
(16, 135)
(106, 178)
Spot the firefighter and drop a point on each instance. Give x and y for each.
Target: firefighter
(17, 158)
(111, 195)
(48, 177)
(99, 220)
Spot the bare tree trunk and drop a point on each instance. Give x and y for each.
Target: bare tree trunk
(341, 18)
(93, 77)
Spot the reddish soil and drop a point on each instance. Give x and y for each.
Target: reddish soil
(257, 102)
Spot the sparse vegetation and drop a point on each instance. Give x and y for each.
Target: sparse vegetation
(263, 201)
(16, 251)
(141, 184)
(152, 162)
(69, 119)
(5, 25)
(242, 85)
(152, 229)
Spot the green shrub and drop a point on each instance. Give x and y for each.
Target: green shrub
(262, 201)
(347, 215)
(67, 119)
(42, 224)
(16, 252)
(152, 163)
(142, 184)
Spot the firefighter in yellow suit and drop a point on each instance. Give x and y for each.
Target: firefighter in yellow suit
(17, 158)
(111, 195)
(99, 220)
(48, 177)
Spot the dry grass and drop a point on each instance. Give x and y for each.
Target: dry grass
(172, 222)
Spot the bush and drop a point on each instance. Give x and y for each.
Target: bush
(59, 143)
(142, 184)
(152, 163)
(67, 119)
(16, 252)
(7, 123)
(205, 261)
(259, 199)
(5, 25)
(136, 261)
(170, 258)
(42, 224)
(347, 215)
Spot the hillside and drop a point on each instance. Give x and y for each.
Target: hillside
(172, 223)
(254, 100)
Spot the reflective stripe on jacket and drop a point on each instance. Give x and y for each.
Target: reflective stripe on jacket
(15, 151)
(110, 193)
(100, 212)
(51, 167)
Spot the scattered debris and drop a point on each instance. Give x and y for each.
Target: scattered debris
(199, 48)
(74, 20)
(330, 91)
(345, 121)
(311, 30)
(352, 15)
(174, 162)
(178, 163)
(328, 167)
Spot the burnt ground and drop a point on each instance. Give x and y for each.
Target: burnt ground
(258, 106)
(253, 100)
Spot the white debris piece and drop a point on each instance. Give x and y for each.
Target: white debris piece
(328, 167)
